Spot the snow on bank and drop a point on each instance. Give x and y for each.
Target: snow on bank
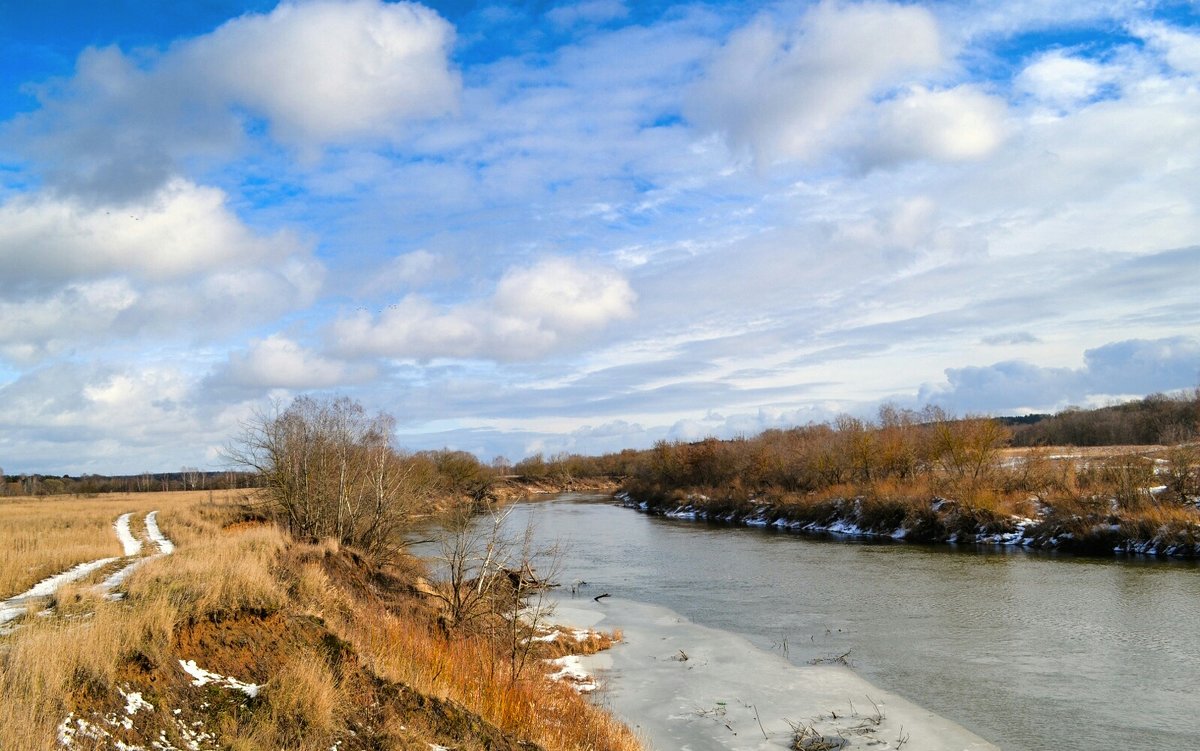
(203, 677)
(729, 694)
(1021, 532)
(131, 544)
(107, 730)
(572, 671)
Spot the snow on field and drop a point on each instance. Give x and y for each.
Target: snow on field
(131, 544)
(202, 677)
(682, 685)
(15, 606)
(165, 546)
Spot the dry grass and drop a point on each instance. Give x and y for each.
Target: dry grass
(217, 573)
(224, 580)
(466, 670)
(41, 536)
(303, 702)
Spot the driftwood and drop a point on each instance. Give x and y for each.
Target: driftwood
(525, 578)
(597, 597)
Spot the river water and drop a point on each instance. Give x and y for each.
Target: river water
(1029, 651)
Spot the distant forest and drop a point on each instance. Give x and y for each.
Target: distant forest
(1157, 419)
(891, 445)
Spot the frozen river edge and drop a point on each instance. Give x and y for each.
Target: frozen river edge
(729, 694)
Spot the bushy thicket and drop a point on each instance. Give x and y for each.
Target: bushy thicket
(900, 446)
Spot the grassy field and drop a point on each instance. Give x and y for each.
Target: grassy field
(341, 652)
(42, 536)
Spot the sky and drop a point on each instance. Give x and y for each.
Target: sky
(536, 227)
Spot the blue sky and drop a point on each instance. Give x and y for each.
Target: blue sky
(524, 227)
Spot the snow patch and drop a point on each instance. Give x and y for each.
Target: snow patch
(131, 544)
(134, 702)
(16, 606)
(571, 670)
(165, 546)
(202, 677)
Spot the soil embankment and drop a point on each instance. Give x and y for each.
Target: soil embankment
(515, 488)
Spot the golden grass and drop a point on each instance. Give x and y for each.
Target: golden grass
(217, 573)
(303, 701)
(225, 574)
(467, 671)
(42, 536)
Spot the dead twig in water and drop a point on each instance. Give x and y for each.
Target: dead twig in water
(597, 598)
(760, 727)
(808, 738)
(838, 660)
(878, 718)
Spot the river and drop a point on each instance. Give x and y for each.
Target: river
(1027, 650)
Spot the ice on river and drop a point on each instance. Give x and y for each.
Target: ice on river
(729, 694)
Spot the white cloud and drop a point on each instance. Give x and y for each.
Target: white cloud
(784, 93)
(957, 124)
(176, 265)
(535, 310)
(179, 231)
(326, 71)
(406, 270)
(588, 12)
(279, 362)
(318, 73)
(1061, 80)
(564, 297)
(34, 328)
(1180, 48)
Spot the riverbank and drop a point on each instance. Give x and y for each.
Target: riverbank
(1085, 531)
(246, 638)
(1027, 651)
(516, 488)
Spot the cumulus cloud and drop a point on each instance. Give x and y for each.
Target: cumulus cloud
(97, 417)
(316, 73)
(1131, 367)
(782, 93)
(37, 327)
(1062, 80)
(534, 310)
(1180, 48)
(181, 230)
(279, 362)
(179, 260)
(326, 71)
(951, 125)
(406, 270)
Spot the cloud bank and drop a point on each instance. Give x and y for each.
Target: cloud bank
(594, 225)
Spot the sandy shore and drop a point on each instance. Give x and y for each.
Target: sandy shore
(729, 694)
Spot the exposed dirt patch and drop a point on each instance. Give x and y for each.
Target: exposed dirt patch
(248, 646)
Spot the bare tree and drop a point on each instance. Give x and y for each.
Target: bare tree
(330, 471)
(494, 581)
